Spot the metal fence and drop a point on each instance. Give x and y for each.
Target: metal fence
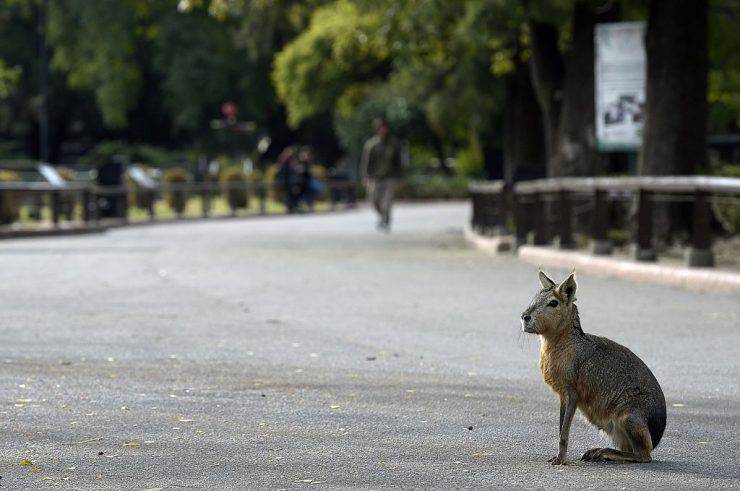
(540, 210)
(89, 205)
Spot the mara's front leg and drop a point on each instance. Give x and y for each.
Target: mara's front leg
(567, 410)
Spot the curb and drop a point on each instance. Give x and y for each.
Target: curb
(494, 245)
(25, 233)
(111, 224)
(704, 279)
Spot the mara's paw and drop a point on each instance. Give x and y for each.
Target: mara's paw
(593, 455)
(557, 460)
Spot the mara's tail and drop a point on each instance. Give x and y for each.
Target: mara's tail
(656, 422)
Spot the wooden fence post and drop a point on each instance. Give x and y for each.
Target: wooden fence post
(206, 200)
(700, 253)
(539, 219)
(644, 250)
(262, 194)
(566, 220)
(56, 202)
(86, 206)
(522, 217)
(600, 243)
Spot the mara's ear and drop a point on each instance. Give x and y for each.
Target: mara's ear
(545, 281)
(567, 289)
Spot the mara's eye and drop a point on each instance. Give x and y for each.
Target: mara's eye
(553, 303)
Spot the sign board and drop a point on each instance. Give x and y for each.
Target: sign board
(51, 175)
(141, 178)
(620, 75)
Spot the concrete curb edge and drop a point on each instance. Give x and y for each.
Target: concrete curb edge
(704, 279)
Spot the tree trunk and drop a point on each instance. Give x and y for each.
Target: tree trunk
(547, 73)
(674, 136)
(576, 153)
(524, 140)
(675, 131)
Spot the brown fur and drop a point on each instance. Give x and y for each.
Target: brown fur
(608, 383)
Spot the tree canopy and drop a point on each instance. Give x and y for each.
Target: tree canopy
(488, 81)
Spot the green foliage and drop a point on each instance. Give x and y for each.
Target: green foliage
(338, 49)
(469, 162)
(94, 44)
(144, 154)
(196, 59)
(354, 126)
(419, 186)
(234, 184)
(8, 200)
(724, 70)
(9, 77)
(174, 194)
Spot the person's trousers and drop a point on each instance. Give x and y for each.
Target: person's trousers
(381, 193)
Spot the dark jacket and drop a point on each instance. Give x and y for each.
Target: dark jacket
(381, 159)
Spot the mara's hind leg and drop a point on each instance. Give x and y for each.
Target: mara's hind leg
(632, 437)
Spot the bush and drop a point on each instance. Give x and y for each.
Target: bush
(176, 198)
(469, 160)
(8, 199)
(149, 155)
(417, 186)
(234, 184)
(138, 197)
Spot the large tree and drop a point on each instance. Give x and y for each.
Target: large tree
(674, 139)
(564, 84)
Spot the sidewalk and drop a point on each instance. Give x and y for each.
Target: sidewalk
(703, 279)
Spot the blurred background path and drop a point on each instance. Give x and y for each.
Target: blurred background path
(311, 351)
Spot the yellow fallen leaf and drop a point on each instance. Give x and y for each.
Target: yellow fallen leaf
(26, 462)
(132, 444)
(153, 489)
(34, 470)
(45, 478)
(183, 420)
(335, 406)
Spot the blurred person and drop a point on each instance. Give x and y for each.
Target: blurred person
(381, 168)
(289, 178)
(310, 186)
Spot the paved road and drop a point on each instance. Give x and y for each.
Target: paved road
(311, 352)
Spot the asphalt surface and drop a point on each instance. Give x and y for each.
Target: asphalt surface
(312, 352)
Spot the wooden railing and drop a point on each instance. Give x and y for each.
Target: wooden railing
(546, 208)
(87, 200)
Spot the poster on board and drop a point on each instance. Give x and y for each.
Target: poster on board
(620, 85)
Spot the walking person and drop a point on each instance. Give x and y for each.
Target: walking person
(381, 168)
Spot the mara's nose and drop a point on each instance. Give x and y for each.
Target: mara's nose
(526, 318)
